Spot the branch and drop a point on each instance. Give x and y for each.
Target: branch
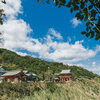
(90, 20)
(94, 6)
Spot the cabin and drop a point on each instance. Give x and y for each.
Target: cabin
(14, 76)
(65, 75)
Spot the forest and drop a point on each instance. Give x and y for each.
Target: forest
(11, 61)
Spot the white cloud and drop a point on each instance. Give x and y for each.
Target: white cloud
(93, 64)
(22, 54)
(55, 33)
(75, 22)
(15, 33)
(95, 69)
(68, 53)
(69, 39)
(12, 8)
(15, 37)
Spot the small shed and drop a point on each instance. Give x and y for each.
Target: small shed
(14, 76)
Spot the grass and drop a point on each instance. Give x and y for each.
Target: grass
(77, 90)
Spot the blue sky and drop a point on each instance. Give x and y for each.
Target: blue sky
(49, 33)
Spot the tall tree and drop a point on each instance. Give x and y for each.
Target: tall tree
(86, 10)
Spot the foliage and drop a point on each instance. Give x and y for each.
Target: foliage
(2, 13)
(43, 69)
(86, 10)
(52, 87)
(76, 90)
(17, 90)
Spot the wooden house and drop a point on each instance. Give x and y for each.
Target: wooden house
(14, 76)
(65, 75)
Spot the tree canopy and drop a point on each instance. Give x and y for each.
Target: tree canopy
(86, 10)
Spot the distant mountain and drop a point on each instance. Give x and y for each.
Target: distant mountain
(11, 60)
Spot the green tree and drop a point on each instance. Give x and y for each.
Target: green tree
(86, 10)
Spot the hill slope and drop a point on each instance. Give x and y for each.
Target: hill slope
(11, 60)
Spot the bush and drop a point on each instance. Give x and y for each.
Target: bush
(51, 86)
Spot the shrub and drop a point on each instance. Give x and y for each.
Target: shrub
(51, 86)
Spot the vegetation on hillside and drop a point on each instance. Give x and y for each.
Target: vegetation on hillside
(82, 89)
(42, 68)
(85, 87)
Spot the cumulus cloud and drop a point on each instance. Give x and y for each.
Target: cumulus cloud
(75, 22)
(55, 33)
(68, 53)
(16, 37)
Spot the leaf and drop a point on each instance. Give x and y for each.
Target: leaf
(3, 1)
(82, 5)
(56, 3)
(83, 32)
(69, 4)
(71, 10)
(92, 18)
(47, 2)
(87, 34)
(76, 8)
(92, 34)
(87, 29)
(86, 18)
(39, 1)
(81, 18)
(78, 15)
(63, 2)
(91, 6)
(59, 6)
(87, 24)
(93, 13)
(97, 37)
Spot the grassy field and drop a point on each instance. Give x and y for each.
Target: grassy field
(76, 90)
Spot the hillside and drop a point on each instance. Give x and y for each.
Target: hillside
(11, 60)
(76, 90)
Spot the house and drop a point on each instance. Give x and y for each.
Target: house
(14, 76)
(65, 75)
(30, 76)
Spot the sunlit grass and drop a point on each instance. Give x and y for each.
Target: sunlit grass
(77, 90)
